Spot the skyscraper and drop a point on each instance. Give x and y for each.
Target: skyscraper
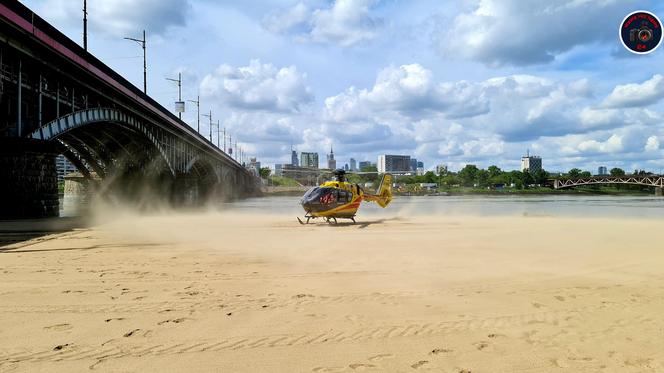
(413, 164)
(602, 171)
(294, 161)
(309, 160)
(393, 163)
(331, 162)
(364, 164)
(353, 164)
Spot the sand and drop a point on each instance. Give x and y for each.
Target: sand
(245, 293)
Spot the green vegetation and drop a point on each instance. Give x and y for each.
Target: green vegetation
(265, 172)
(61, 187)
(493, 180)
(282, 181)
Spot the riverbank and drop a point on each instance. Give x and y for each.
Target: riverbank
(247, 292)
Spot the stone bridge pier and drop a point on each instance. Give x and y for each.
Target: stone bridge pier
(28, 179)
(659, 192)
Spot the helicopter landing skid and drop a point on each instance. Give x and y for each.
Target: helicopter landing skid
(303, 223)
(330, 220)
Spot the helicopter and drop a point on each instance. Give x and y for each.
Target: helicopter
(340, 199)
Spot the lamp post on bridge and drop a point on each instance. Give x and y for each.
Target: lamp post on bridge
(85, 24)
(145, 64)
(210, 117)
(198, 113)
(218, 131)
(178, 108)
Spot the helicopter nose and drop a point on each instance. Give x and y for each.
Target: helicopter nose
(306, 206)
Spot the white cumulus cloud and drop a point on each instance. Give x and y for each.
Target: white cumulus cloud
(258, 86)
(518, 32)
(635, 94)
(344, 23)
(121, 17)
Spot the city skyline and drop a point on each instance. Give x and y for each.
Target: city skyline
(380, 78)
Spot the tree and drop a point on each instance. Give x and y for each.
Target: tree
(586, 174)
(483, 177)
(540, 177)
(574, 173)
(265, 172)
(369, 169)
(449, 179)
(494, 171)
(617, 172)
(468, 175)
(430, 177)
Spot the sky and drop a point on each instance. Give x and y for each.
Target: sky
(448, 82)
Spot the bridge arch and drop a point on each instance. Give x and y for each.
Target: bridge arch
(64, 125)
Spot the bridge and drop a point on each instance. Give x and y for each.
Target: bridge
(656, 181)
(56, 98)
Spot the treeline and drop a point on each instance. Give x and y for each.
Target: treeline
(472, 176)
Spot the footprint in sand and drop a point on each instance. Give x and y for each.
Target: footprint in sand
(60, 347)
(494, 335)
(174, 321)
(360, 366)
(537, 305)
(114, 319)
(419, 364)
(560, 298)
(130, 333)
(59, 327)
(381, 357)
(437, 351)
(481, 345)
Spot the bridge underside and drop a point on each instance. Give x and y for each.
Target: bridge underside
(56, 98)
(122, 159)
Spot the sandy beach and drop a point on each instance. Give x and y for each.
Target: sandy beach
(247, 293)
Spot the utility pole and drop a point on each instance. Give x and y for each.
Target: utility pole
(85, 24)
(218, 130)
(198, 112)
(225, 150)
(209, 116)
(179, 81)
(145, 63)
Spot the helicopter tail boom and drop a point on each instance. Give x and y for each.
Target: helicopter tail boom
(383, 195)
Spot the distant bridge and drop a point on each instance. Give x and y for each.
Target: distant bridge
(56, 98)
(656, 181)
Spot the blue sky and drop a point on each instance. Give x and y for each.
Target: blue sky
(448, 82)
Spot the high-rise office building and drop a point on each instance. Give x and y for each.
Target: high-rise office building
(353, 164)
(294, 161)
(309, 160)
(531, 163)
(393, 163)
(413, 164)
(602, 171)
(364, 164)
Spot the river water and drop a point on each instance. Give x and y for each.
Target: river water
(631, 207)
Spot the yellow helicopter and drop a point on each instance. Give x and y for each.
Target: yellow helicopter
(340, 199)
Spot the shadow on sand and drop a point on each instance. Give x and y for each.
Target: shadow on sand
(15, 232)
(362, 224)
